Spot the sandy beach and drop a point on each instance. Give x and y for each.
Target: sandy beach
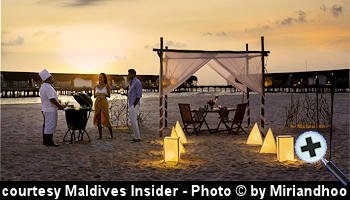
(208, 157)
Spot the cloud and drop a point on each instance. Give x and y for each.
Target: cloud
(221, 34)
(301, 18)
(73, 3)
(258, 29)
(207, 34)
(39, 33)
(18, 41)
(81, 3)
(287, 21)
(336, 10)
(168, 43)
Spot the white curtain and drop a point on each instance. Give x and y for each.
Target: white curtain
(178, 67)
(246, 68)
(227, 75)
(241, 70)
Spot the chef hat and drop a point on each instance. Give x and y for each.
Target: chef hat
(44, 75)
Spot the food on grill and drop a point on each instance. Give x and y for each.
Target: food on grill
(77, 118)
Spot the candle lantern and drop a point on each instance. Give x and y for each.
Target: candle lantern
(255, 136)
(171, 149)
(269, 145)
(285, 148)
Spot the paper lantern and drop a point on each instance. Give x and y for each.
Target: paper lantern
(269, 145)
(174, 134)
(180, 133)
(171, 149)
(255, 136)
(285, 148)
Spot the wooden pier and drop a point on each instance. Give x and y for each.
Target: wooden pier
(34, 92)
(27, 84)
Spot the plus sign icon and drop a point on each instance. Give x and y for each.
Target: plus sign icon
(310, 147)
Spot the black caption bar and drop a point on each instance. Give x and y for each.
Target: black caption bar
(200, 189)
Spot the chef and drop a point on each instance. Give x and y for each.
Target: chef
(49, 106)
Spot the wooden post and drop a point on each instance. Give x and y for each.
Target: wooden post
(166, 110)
(160, 54)
(331, 122)
(317, 90)
(262, 125)
(166, 96)
(248, 110)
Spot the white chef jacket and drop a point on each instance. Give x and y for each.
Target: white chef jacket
(46, 93)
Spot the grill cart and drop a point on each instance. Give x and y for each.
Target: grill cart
(77, 118)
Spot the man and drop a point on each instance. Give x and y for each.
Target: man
(49, 106)
(134, 96)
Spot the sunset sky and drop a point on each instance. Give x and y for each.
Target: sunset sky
(92, 36)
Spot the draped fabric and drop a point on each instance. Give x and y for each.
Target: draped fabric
(227, 75)
(241, 70)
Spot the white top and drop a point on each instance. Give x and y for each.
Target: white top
(46, 93)
(103, 90)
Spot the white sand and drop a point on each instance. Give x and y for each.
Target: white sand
(216, 156)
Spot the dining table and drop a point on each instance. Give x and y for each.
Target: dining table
(216, 110)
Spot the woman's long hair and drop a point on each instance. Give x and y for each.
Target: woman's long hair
(105, 78)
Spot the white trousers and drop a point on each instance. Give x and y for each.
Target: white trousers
(133, 113)
(50, 122)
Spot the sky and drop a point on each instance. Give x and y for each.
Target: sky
(111, 36)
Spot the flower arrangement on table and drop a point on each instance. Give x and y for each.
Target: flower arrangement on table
(211, 103)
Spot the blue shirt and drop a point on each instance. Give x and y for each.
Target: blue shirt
(135, 91)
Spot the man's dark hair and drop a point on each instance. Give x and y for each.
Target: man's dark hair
(132, 71)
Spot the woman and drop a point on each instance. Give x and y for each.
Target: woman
(101, 117)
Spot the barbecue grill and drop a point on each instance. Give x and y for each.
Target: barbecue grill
(77, 118)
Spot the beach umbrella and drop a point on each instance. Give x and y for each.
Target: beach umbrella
(174, 134)
(255, 136)
(171, 149)
(285, 148)
(180, 133)
(269, 145)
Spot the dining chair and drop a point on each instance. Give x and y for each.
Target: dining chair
(236, 122)
(188, 119)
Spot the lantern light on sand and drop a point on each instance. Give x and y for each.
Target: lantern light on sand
(285, 148)
(171, 149)
(255, 136)
(269, 145)
(174, 134)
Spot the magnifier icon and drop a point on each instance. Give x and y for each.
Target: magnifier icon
(311, 147)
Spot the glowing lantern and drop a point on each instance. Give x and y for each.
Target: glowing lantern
(180, 133)
(269, 145)
(165, 83)
(174, 134)
(172, 81)
(171, 149)
(285, 148)
(255, 136)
